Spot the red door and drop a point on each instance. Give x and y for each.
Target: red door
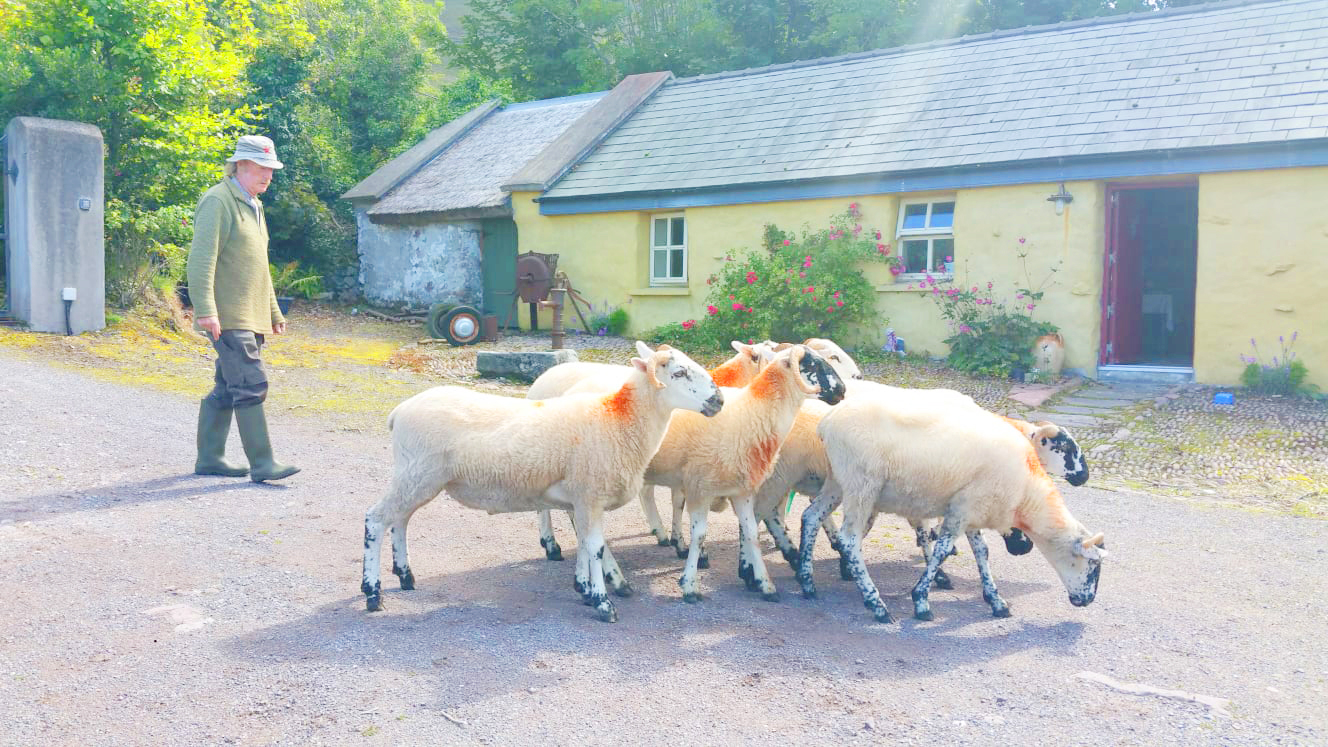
(1122, 283)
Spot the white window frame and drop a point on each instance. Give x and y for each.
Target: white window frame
(928, 233)
(667, 280)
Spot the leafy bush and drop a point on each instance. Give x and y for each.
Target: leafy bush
(990, 336)
(796, 287)
(609, 321)
(145, 248)
(287, 281)
(1285, 375)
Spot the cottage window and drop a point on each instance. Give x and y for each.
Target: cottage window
(668, 250)
(926, 236)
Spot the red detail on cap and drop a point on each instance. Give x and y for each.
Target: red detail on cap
(266, 149)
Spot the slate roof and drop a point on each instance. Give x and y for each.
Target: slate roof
(465, 178)
(1223, 74)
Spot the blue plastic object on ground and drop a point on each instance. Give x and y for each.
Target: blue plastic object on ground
(1224, 398)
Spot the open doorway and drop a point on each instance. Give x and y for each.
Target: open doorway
(1149, 278)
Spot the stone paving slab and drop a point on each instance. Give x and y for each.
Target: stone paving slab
(1081, 410)
(1112, 402)
(1066, 420)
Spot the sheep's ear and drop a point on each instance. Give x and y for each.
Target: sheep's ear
(782, 346)
(663, 347)
(643, 349)
(1046, 430)
(639, 364)
(738, 347)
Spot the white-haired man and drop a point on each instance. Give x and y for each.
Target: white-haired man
(234, 304)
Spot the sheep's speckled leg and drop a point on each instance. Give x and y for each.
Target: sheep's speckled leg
(547, 541)
(774, 522)
(400, 562)
(614, 575)
(647, 498)
(924, 535)
(831, 532)
(811, 524)
(850, 542)
(921, 605)
(373, 539)
(590, 535)
(845, 572)
(675, 538)
(581, 582)
(998, 606)
(760, 577)
(690, 593)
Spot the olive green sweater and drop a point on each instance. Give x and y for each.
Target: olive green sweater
(228, 272)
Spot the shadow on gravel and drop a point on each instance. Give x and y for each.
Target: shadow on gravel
(504, 628)
(118, 495)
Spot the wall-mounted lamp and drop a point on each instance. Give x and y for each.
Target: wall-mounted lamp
(1061, 198)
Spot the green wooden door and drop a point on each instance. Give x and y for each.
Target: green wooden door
(498, 247)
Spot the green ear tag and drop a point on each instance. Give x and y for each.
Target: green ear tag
(789, 506)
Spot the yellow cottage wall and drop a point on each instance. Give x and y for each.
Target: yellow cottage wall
(1262, 251)
(1263, 270)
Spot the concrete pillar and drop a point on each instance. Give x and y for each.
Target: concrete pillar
(54, 195)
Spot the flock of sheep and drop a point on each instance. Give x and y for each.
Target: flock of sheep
(774, 420)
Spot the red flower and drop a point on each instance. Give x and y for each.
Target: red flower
(751, 278)
(712, 310)
(737, 306)
(689, 324)
(787, 242)
(839, 303)
(810, 289)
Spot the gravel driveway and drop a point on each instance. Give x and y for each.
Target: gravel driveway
(144, 605)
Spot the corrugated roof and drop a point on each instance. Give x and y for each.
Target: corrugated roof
(467, 175)
(1218, 75)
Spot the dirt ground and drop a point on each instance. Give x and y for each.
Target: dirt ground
(145, 605)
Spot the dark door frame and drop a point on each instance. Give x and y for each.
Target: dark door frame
(1110, 278)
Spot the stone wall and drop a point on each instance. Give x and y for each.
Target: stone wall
(420, 264)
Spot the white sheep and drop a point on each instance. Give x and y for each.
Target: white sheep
(583, 453)
(586, 376)
(920, 460)
(728, 457)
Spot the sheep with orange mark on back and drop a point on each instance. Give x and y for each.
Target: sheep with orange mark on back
(918, 459)
(585, 376)
(584, 453)
(728, 457)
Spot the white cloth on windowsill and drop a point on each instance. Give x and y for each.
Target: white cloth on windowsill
(1160, 303)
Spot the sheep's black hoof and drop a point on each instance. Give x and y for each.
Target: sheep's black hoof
(407, 579)
(772, 596)
(625, 590)
(808, 591)
(373, 596)
(692, 598)
(942, 581)
(606, 611)
(923, 614)
(845, 573)
(580, 587)
(882, 615)
(679, 549)
(1001, 612)
(703, 561)
(663, 541)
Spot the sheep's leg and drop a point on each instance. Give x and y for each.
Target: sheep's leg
(944, 544)
(547, 541)
(676, 537)
(774, 522)
(811, 524)
(400, 561)
(757, 577)
(614, 575)
(831, 531)
(924, 535)
(590, 535)
(406, 494)
(846, 573)
(690, 593)
(850, 542)
(998, 606)
(648, 507)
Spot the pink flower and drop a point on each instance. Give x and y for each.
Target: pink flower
(807, 262)
(988, 285)
(896, 269)
(831, 309)
(810, 289)
(750, 309)
(1022, 239)
(878, 235)
(1019, 295)
(731, 297)
(839, 303)
(836, 294)
(975, 289)
(1030, 307)
(787, 242)
(802, 274)
(737, 306)
(949, 258)
(689, 324)
(712, 310)
(853, 206)
(751, 278)
(857, 229)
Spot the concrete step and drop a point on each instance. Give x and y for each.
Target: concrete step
(1138, 374)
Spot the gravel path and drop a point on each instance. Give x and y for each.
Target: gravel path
(148, 606)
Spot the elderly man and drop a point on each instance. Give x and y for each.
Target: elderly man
(234, 304)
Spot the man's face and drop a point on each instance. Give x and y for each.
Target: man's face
(252, 177)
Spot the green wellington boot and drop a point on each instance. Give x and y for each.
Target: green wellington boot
(257, 446)
(214, 425)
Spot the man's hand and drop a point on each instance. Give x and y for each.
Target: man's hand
(279, 328)
(211, 325)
